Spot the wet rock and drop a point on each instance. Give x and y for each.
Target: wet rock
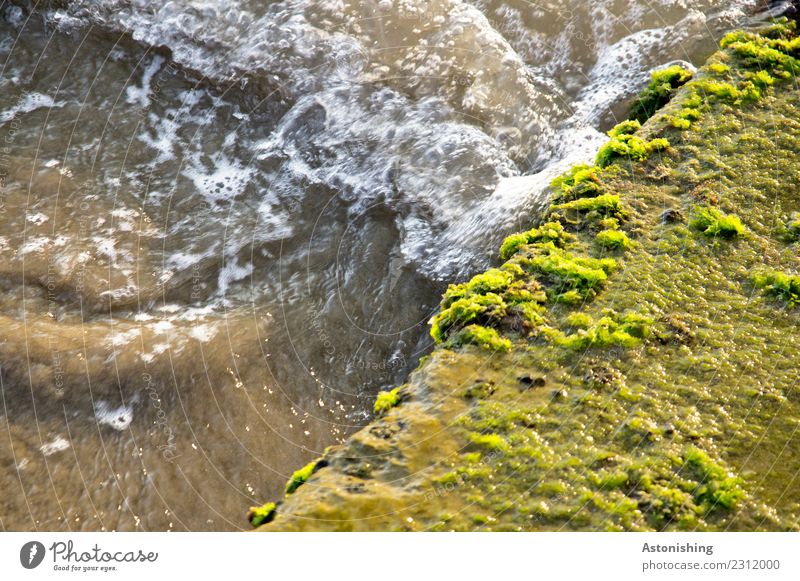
(671, 216)
(479, 390)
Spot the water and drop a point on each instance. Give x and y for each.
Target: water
(224, 226)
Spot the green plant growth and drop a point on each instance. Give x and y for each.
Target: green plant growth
(495, 297)
(624, 144)
(613, 240)
(478, 309)
(628, 330)
(482, 337)
(489, 441)
(663, 84)
(259, 515)
(299, 477)
(581, 181)
(603, 206)
(568, 278)
(712, 222)
(791, 231)
(785, 287)
(684, 118)
(386, 400)
(717, 488)
(548, 232)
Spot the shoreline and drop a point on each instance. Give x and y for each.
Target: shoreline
(626, 364)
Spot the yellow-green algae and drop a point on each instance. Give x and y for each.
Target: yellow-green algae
(675, 406)
(386, 400)
(259, 515)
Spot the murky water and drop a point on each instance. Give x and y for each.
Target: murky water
(224, 225)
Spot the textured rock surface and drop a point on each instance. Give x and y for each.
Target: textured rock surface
(660, 393)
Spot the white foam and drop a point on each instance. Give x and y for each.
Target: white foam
(457, 129)
(37, 218)
(28, 103)
(59, 444)
(119, 418)
(141, 95)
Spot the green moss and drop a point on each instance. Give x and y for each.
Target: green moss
(299, 477)
(580, 181)
(548, 232)
(563, 273)
(791, 231)
(482, 337)
(719, 68)
(624, 144)
(578, 320)
(662, 86)
(605, 205)
(717, 488)
(611, 330)
(612, 240)
(493, 280)
(473, 309)
(610, 480)
(386, 400)
(713, 222)
(761, 79)
(781, 285)
(489, 441)
(628, 127)
(710, 88)
(259, 515)
(525, 292)
(762, 53)
(684, 118)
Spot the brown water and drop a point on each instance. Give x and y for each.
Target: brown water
(224, 226)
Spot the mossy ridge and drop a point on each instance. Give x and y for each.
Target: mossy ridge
(605, 441)
(301, 476)
(749, 64)
(663, 84)
(625, 144)
(612, 329)
(260, 515)
(386, 400)
(781, 285)
(712, 222)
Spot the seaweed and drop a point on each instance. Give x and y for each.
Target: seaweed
(259, 515)
(549, 232)
(386, 400)
(781, 285)
(712, 222)
(612, 240)
(662, 86)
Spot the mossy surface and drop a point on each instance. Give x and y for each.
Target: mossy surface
(301, 476)
(781, 285)
(650, 389)
(259, 515)
(712, 222)
(663, 84)
(612, 240)
(386, 400)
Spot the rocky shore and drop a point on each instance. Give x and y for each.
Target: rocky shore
(631, 362)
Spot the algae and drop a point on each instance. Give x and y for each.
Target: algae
(386, 400)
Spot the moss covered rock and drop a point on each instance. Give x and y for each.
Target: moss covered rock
(666, 393)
